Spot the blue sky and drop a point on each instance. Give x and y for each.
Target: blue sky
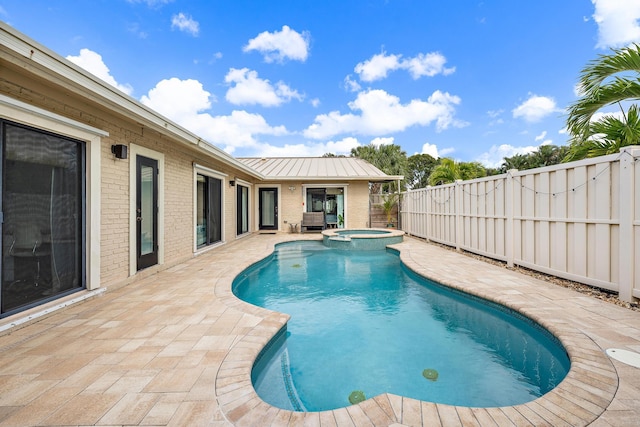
(472, 80)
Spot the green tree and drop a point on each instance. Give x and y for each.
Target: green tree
(419, 168)
(389, 158)
(545, 155)
(608, 80)
(472, 170)
(448, 170)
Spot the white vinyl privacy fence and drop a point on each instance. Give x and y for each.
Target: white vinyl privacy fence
(579, 220)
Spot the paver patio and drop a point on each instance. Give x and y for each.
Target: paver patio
(176, 348)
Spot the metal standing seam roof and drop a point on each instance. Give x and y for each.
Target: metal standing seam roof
(317, 168)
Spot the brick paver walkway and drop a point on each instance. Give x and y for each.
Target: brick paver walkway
(176, 348)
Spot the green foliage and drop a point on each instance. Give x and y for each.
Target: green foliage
(545, 155)
(449, 170)
(389, 158)
(389, 201)
(419, 168)
(608, 80)
(607, 136)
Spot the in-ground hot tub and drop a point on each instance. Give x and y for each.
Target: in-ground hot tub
(363, 239)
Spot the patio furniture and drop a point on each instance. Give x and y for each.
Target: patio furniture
(314, 220)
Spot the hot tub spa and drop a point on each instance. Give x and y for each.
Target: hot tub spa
(363, 239)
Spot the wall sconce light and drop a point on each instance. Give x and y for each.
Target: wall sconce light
(292, 188)
(232, 183)
(119, 150)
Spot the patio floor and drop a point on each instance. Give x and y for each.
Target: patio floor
(176, 348)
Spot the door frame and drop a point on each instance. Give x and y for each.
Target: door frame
(135, 151)
(278, 189)
(150, 259)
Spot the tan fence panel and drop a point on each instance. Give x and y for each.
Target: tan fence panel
(579, 220)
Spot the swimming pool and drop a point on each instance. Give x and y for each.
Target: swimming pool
(360, 322)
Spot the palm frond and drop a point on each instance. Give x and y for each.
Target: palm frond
(605, 66)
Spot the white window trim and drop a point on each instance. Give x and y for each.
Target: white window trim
(20, 112)
(203, 170)
(137, 150)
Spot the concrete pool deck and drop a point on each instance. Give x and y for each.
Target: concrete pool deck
(176, 348)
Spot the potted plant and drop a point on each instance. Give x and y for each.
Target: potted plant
(389, 202)
(340, 221)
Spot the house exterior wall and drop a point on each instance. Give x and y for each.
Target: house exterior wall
(38, 89)
(115, 215)
(292, 202)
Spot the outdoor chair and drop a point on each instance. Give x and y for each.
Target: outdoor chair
(313, 220)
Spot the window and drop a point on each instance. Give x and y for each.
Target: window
(329, 200)
(242, 199)
(43, 204)
(208, 210)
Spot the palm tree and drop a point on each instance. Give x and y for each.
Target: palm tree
(608, 80)
(448, 170)
(608, 135)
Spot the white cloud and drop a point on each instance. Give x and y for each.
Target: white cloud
(379, 66)
(496, 154)
(428, 65)
(381, 113)
(93, 63)
(185, 23)
(535, 108)
(618, 22)
(315, 102)
(312, 149)
(446, 151)
(178, 99)
(541, 136)
(185, 102)
(430, 149)
(351, 85)
(280, 45)
(249, 89)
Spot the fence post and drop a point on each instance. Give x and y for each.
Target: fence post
(425, 203)
(508, 211)
(457, 194)
(627, 211)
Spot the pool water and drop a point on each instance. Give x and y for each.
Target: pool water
(361, 322)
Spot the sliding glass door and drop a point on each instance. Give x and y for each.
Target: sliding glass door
(242, 209)
(43, 222)
(209, 210)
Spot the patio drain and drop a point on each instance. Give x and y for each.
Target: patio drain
(625, 356)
